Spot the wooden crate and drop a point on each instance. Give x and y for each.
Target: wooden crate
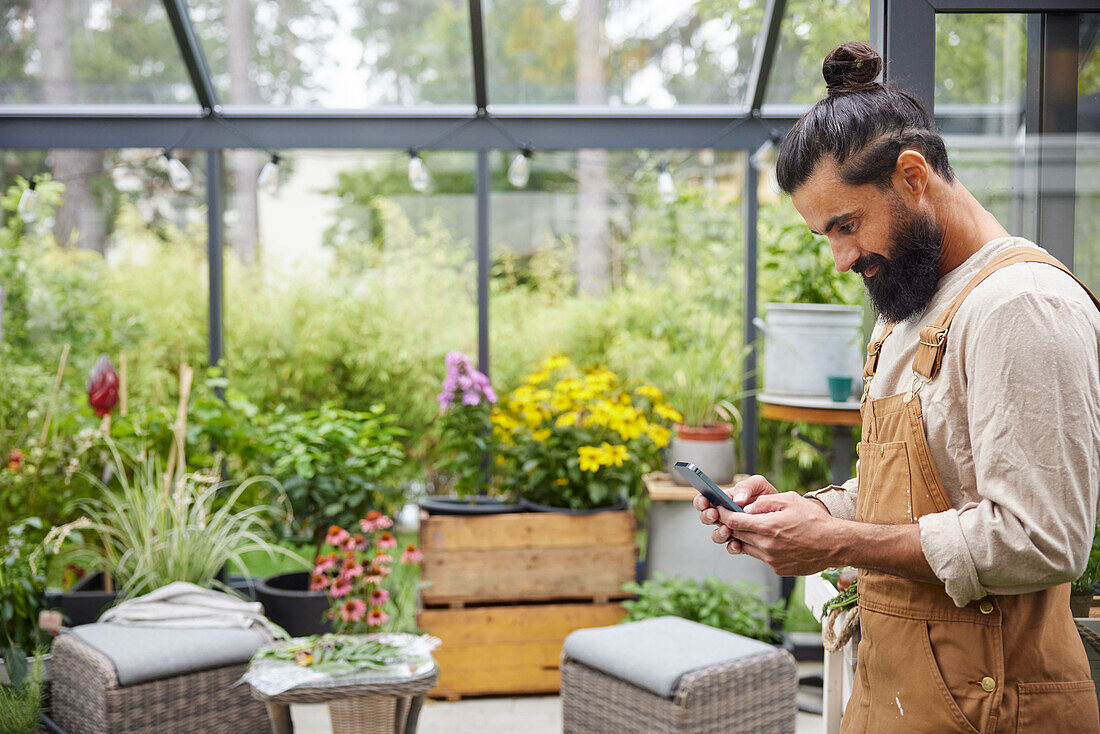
(526, 556)
(507, 649)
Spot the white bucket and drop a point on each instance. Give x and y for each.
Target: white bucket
(804, 343)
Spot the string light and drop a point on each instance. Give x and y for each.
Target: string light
(178, 174)
(519, 172)
(419, 177)
(269, 174)
(666, 187)
(28, 204)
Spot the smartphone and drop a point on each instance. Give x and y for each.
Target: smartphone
(706, 487)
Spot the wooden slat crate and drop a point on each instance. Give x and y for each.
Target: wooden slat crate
(527, 556)
(507, 649)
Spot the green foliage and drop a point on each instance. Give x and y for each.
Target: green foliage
(149, 528)
(735, 608)
(798, 267)
(465, 432)
(708, 372)
(21, 703)
(1085, 583)
(22, 589)
(335, 465)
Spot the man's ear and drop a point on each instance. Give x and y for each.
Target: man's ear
(911, 175)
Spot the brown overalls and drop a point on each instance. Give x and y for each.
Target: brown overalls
(1011, 663)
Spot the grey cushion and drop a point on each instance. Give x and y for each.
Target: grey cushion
(143, 654)
(655, 653)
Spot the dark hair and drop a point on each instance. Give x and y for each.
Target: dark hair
(862, 124)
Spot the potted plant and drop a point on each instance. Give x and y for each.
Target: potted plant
(334, 465)
(465, 433)
(149, 528)
(814, 329)
(579, 442)
(705, 385)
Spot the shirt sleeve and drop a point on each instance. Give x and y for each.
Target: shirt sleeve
(1033, 404)
(839, 500)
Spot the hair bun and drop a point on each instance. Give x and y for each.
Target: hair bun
(851, 67)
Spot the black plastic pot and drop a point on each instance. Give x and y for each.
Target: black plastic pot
(468, 506)
(289, 603)
(536, 507)
(84, 602)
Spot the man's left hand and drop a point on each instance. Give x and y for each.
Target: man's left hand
(792, 534)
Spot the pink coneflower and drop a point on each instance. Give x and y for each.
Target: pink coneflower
(378, 597)
(349, 545)
(353, 610)
(374, 578)
(319, 581)
(386, 540)
(360, 541)
(375, 520)
(336, 536)
(324, 563)
(412, 554)
(376, 617)
(351, 569)
(341, 587)
(382, 559)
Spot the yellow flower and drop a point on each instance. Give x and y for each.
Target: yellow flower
(668, 413)
(589, 458)
(651, 392)
(500, 460)
(541, 434)
(555, 363)
(610, 454)
(560, 403)
(505, 421)
(537, 378)
(561, 482)
(658, 434)
(566, 419)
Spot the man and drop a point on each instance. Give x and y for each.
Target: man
(979, 464)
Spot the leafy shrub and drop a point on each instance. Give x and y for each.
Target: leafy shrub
(732, 607)
(335, 465)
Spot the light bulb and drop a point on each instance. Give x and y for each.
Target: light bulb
(759, 159)
(178, 175)
(28, 204)
(666, 187)
(519, 173)
(419, 178)
(269, 174)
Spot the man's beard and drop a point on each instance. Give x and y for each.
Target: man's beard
(906, 281)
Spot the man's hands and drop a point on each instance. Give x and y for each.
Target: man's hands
(792, 534)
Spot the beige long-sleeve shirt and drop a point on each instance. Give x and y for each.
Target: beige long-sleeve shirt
(1013, 425)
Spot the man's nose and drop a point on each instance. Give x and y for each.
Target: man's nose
(844, 255)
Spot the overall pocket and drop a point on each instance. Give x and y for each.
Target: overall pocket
(1048, 707)
(884, 495)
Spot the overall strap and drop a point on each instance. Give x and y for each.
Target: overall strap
(873, 349)
(933, 338)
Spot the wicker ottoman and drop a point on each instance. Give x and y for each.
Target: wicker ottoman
(670, 675)
(174, 693)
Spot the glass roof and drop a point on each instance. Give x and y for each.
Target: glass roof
(337, 54)
(90, 52)
(810, 29)
(650, 53)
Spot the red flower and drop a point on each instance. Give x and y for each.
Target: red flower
(352, 610)
(103, 386)
(412, 554)
(336, 536)
(15, 461)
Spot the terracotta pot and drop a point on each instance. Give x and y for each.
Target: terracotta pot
(714, 432)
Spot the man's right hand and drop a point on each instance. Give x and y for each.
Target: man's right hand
(743, 493)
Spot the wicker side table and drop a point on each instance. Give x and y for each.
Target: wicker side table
(369, 707)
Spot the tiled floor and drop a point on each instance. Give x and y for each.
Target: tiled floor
(520, 715)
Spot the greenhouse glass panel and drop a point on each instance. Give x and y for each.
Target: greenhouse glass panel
(810, 30)
(980, 86)
(63, 52)
(1087, 230)
(646, 53)
(337, 54)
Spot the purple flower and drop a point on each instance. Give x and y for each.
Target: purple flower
(445, 399)
(490, 395)
(471, 398)
(464, 384)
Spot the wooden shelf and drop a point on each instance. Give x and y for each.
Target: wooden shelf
(662, 488)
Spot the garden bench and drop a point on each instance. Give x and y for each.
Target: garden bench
(670, 675)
